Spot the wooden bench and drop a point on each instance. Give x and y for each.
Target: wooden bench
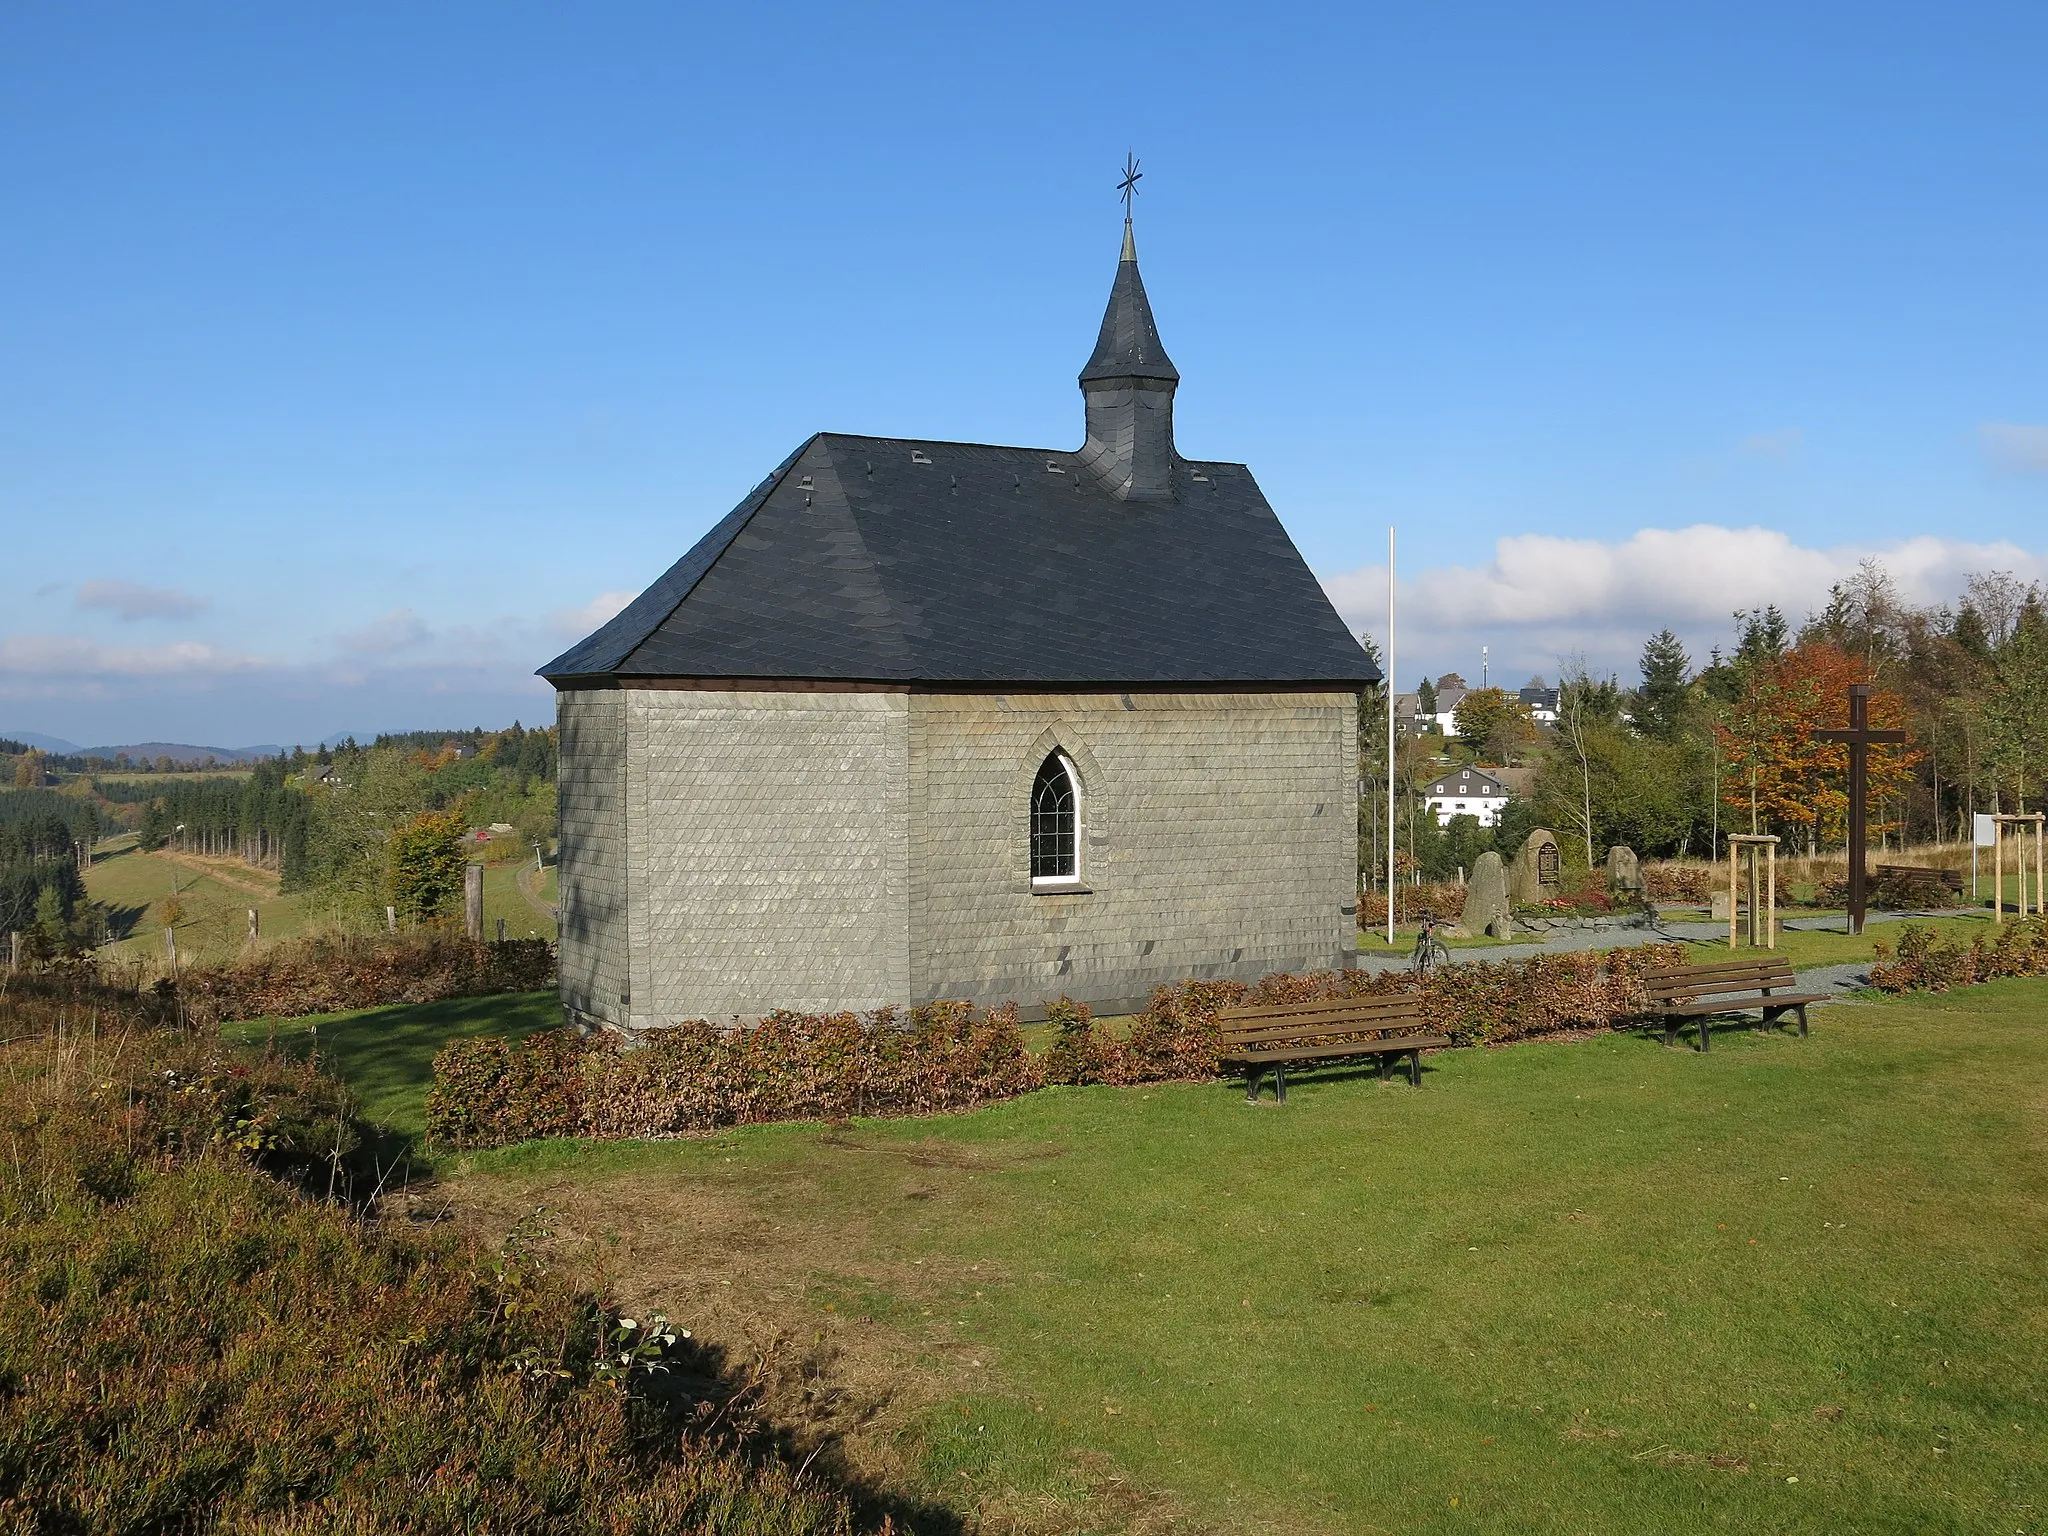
(1388, 1027)
(1682, 992)
(1910, 876)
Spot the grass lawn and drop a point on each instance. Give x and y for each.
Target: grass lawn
(387, 1054)
(1593, 1287)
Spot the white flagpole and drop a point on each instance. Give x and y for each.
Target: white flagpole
(1390, 736)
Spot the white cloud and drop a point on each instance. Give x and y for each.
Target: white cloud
(399, 630)
(130, 601)
(69, 656)
(575, 623)
(2012, 445)
(1542, 597)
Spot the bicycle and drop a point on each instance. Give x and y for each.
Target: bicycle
(1430, 951)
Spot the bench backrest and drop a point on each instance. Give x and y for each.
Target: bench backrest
(1334, 1018)
(1908, 872)
(1681, 983)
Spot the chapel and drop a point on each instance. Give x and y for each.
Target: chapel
(922, 720)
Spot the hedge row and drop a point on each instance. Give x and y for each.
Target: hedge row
(301, 976)
(948, 1056)
(1924, 962)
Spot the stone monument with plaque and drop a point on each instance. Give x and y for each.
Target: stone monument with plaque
(1534, 876)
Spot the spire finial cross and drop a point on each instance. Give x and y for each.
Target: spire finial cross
(1127, 189)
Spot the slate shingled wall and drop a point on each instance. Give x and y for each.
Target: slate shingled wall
(1219, 840)
(591, 879)
(769, 852)
(822, 850)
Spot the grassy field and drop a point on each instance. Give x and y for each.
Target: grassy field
(1591, 1287)
(217, 895)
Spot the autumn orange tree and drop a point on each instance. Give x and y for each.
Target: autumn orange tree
(1776, 771)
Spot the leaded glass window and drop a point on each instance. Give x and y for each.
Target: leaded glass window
(1055, 821)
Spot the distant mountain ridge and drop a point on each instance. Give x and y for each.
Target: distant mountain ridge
(176, 751)
(183, 752)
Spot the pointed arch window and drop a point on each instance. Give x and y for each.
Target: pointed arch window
(1056, 822)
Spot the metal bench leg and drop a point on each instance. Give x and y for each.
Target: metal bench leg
(1279, 1083)
(1670, 1033)
(1251, 1084)
(1415, 1069)
(1703, 1032)
(1379, 1065)
(1802, 1020)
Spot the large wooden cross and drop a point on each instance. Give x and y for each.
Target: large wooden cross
(1860, 738)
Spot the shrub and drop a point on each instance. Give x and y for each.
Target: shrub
(1442, 902)
(189, 1343)
(1679, 882)
(1925, 962)
(945, 1056)
(324, 974)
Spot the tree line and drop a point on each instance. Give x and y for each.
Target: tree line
(1695, 751)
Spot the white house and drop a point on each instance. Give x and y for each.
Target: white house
(1468, 792)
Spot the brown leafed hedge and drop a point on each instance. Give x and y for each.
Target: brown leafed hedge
(948, 1056)
(300, 976)
(1925, 962)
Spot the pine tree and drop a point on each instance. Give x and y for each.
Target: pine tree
(1658, 707)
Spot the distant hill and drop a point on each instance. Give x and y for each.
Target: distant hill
(55, 744)
(176, 751)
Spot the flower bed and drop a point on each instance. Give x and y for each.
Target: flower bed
(950, 1056)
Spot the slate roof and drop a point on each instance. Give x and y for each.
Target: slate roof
(1129, 346)
(894, 560)
(1467, 781)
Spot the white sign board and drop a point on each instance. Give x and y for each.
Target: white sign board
(1983, 831)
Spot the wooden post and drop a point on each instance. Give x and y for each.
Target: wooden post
(391, 919)
(501, 930)
(171, 948)
(1997, 870)
(1755, 893)
(14, 951)
(473, 901)
(1770, 895)
(1732, 853)
(253, 929)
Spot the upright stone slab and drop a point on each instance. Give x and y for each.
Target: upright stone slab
(1624, 874)
(1534, 877)
(1486, 899)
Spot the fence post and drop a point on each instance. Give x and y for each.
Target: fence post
(253, 927)
(171, 948)
(473, 901)
(14, 951)
(391, 919)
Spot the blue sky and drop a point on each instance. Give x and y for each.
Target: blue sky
(356, 358)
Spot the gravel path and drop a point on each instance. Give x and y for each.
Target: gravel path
(1848, 977)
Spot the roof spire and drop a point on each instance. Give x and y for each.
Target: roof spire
(1129, 382)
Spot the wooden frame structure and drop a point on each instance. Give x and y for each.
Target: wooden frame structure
(1761, 850)
(1999, 823)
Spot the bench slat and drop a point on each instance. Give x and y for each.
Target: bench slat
(1402, 1046)
(1742, 1004)
(1397, 1002)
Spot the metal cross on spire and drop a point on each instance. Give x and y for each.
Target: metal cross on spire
(1127, 189)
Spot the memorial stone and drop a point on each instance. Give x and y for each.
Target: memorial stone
(1533, 878)
(1486, 899)
(1624, 874)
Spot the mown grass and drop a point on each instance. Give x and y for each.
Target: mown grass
(387, 1054)
(1594, 1287)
